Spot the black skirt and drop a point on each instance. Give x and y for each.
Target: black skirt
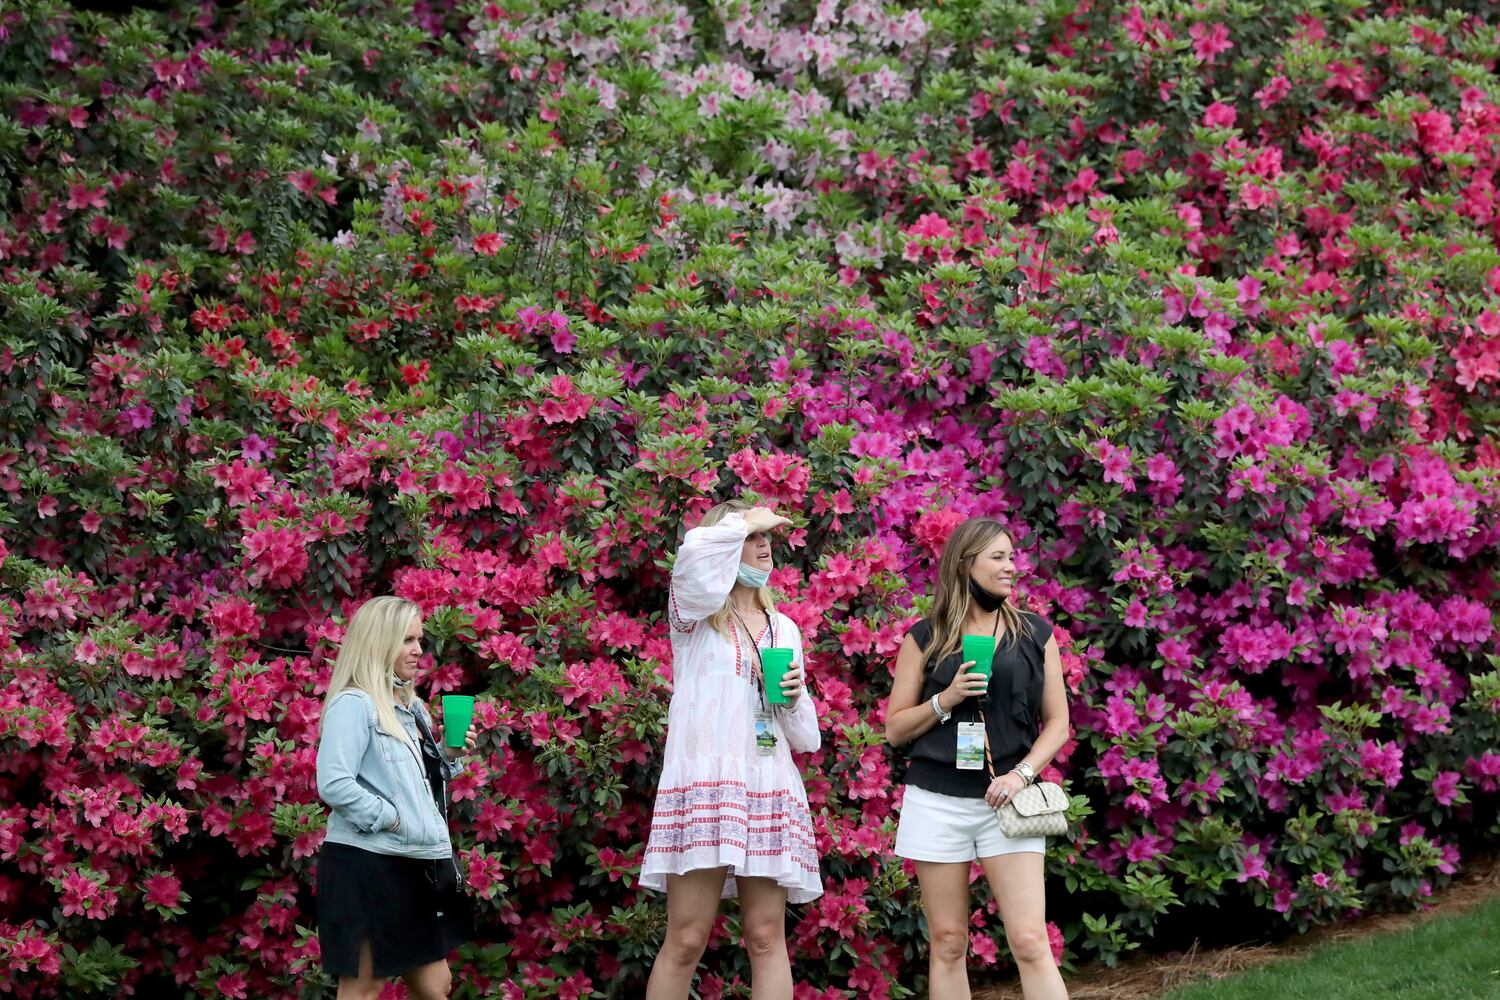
(412, 912)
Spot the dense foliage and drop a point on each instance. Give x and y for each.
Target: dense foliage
(479, 303)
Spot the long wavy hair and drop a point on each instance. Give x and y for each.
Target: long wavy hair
(367, 658)
(722, 620)
(950, 602)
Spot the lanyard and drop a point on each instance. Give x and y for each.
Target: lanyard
(988, 760)
(432, 765)
(758, 667)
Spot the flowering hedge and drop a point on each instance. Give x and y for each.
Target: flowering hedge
(478, 303)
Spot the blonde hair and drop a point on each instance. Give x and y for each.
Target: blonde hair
(720, 620)
(367, 658)
(950, 602)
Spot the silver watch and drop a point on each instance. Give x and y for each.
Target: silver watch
(937, 710)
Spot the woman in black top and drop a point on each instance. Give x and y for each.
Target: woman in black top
(1021, 713)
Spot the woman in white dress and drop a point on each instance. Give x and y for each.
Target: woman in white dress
(731, 816)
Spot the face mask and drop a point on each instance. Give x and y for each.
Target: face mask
(983, 598)
(752, 577)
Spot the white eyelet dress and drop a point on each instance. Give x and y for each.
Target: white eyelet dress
(719, 803)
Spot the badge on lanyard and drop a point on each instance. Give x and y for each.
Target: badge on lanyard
(765, 725)
(970, 753)
(765, 733)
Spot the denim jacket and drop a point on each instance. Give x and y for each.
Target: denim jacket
(375, 785)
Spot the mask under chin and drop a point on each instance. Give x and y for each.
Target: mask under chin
(983, 598)
(752, 576)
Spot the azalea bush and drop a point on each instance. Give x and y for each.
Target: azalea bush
(480, 304)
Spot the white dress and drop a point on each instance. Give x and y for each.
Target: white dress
(720, 803)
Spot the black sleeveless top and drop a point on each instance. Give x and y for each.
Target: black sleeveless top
(1012, 712)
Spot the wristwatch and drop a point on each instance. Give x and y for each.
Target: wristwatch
(937, 710)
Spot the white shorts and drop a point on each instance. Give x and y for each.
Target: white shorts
(937, 827)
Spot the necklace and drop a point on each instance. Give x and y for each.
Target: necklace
(995, 629)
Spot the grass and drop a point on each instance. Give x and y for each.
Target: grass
(1454, 957)
(1451, 951)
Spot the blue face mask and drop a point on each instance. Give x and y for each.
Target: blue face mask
(752, 577)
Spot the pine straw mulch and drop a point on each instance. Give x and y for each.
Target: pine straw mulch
(1147, 977)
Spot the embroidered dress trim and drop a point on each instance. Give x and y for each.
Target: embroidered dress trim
(740, 669)
(723, 823)
(679, 624)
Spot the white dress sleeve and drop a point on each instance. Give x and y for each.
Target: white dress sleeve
(801, 723)
(705, 571)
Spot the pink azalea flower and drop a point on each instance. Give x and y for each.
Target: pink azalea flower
(1210, 40)
(1219, 115)
(1116, 463)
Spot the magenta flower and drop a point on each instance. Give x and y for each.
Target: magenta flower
(1219, 115)
(139, 417)
(164, 891)
(1253, 867)
(1210, 40)
(1445, 787)
(254, 448)
(276, 556)
(1116, 463)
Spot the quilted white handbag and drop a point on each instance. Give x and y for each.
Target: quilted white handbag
(1038, 810)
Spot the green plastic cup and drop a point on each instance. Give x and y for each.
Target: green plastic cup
(776, 660)
(980, 649)
(458, 713)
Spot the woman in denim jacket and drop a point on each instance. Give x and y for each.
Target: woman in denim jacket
(390, 900)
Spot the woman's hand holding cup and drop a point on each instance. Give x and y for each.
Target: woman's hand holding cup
(458, 717)
(791, 683)
(966, 684)
(471, 746)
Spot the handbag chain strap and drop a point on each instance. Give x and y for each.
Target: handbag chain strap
(989, 762)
